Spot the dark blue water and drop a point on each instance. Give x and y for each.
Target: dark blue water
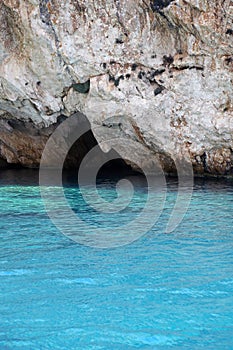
(164, 291)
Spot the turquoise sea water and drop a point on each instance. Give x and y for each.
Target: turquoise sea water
(163, 291)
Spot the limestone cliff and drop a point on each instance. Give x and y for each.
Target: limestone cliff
(158, 72)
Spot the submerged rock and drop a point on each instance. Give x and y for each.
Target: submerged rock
(164, 68)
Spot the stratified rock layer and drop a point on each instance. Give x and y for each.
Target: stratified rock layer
(156, 72)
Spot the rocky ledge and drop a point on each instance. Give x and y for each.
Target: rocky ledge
(159, 73)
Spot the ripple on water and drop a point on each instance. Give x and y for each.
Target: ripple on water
(161, 292)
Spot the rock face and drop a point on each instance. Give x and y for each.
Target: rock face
(156, 72)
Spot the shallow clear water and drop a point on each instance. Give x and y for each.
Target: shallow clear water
(171, 291)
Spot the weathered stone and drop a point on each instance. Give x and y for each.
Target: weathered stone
(128, 50)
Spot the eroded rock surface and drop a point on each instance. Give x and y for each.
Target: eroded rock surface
(156, 72)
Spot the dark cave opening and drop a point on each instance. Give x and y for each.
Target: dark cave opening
(107, 165)
(109, 169)
(32, 139)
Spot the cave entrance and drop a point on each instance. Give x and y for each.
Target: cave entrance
(115, 168)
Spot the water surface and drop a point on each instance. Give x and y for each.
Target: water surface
(164, 291)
